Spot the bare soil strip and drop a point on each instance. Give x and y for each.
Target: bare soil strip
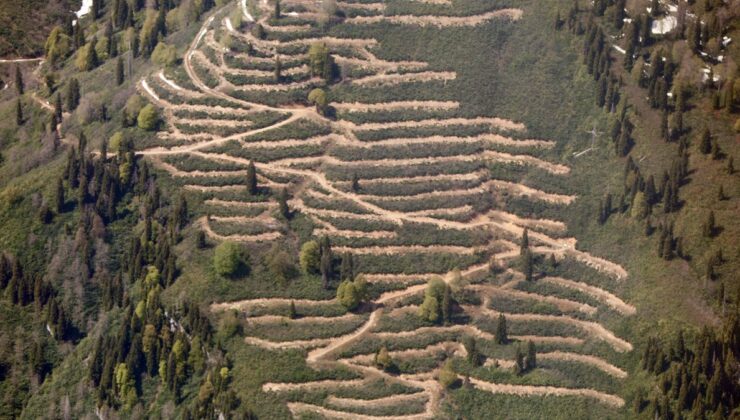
(553, 168)
(285, 345)
(549, 339)
(468, 329)
(243, 204)
(247, 304)
(528, 390)
(491, 121)
(537, 224)
(354, 107)
(376, 402)
(297, 408)
(279, 319)
(523, 190)
(425, 195)
(262, 237)
(597, 362)
(379, 234)
(329, 383)
(407, 249)
(564, 305)
(394, 79)
(600, 294)
(592, 328)
(438, 21)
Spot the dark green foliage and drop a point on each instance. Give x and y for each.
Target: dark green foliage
(120, 77)
(252, 179)
(695, 378)
(73, 95)
(501, 333)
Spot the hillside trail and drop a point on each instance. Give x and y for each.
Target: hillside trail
(497, 388)
(599, 294)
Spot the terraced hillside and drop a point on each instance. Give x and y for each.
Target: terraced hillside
(404, 182)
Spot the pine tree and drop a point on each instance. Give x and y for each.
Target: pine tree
(283, 203)
(276, 13)
(19, 86)
(252, 179)
(716, 150)
(730, 166)
(531, 360)
(325, 263)
(292, 314)
(278, 70)
(446, 305)
(519, 366)
(355, 182)
(525, 241)
(501, 334)
(119, 71)
(347, 268)
(73, 95)
(18, 113)
(706, 142)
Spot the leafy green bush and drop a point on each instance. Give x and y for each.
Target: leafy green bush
(229, 259)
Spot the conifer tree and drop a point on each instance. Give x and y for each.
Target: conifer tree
(276, 12)
(501, 334)
(119, 71)
(252, 179)
(519, 366)
(531, 360)
(355, 182)
(706, 142)
(73, 95)
(278, 70)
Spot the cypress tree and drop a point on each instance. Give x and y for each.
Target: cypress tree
(730, 166)
(355, 182)
(19, 86)
(73, 95)
(501, 334)
(347, 267)
(325, 263)
(446, 302)
(283, 203)
(252, 179)
(519, 366)
(200, 240)
(531, 361)
(292, 314)
(119, 71)
(278, 70)
(276, 13)
(706, 142)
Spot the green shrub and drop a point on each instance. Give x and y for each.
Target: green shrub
(148, 118)
(229, 259)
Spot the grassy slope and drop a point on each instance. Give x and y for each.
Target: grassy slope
(24, 25)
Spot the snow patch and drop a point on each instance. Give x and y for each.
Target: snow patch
(619, 49)
(663, 26)
(85, 8)
(149, 90)
(247, 15)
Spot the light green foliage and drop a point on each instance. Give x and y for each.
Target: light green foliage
(148, 118)
(86, 58)
(351, 293)
(228, 258)
(57, 46)
(447, 376)
(164, 55)
(310, 257)
(318, 97)
(318, 55)
(639, 206)
(431, 309)
(115, 141)
(101, 48)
